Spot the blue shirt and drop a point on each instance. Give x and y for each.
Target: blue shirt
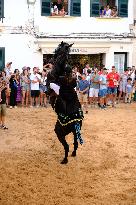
(95, 78)
(103, 80)
(128, 88)
(83, 84)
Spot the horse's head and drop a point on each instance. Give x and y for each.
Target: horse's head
(60, 62)
(62, 50)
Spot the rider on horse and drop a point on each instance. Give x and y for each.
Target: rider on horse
(64, 99)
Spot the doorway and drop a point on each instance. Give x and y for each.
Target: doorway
(120, 61)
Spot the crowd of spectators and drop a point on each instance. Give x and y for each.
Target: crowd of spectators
(107, 11)
(103, 88)
(58, 9)
(97, 88)
(26, 89)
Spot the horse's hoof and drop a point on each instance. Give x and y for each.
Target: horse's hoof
(64, 161)
(73, 154)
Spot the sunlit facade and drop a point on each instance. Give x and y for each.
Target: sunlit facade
(30, 32)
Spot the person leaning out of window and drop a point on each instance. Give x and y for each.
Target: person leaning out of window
(57, 8)
(114, 12)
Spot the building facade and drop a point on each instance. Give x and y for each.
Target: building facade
(29, 33)
(133, 27)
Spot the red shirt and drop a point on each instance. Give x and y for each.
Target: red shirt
(100, 72)
(113, 79)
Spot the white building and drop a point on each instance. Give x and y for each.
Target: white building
(29, 34)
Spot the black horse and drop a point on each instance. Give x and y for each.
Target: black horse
(66, 104)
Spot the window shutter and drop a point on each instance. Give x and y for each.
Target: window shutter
(2, 58)
(123, 8)
(45, 7)
(94, 7)
(75, 8)
(1, 9)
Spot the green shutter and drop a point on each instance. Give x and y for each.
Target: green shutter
(123, 8)
(94, 8)
(1, 9)
(45, 7)
(2, 58)
(75, 8)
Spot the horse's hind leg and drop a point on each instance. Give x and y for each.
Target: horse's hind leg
(75, 145)
(61, 138)
(66, 148)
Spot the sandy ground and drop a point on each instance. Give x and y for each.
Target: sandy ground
(103, 173)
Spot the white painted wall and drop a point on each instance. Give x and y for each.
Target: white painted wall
(121, 48)
(134, 40)
(134, 11)
(15, 12)
(21, 51)
(134, 52)
(54, 25)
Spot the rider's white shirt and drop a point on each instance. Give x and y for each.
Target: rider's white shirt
(55, 87)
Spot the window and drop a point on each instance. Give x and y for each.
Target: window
(75, 9)
(69, 7)
(2, 58)
(1, 9)
(123, 8)
(45, 8)
(118, 8)
(95, 8)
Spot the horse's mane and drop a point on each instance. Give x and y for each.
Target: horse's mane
(60, 60)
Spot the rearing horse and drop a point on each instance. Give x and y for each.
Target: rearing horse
(65, 103)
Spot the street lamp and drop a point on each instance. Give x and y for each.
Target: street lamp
(31, 1)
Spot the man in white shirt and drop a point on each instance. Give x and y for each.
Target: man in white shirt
(35, 88)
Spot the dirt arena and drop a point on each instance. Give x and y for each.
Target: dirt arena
(103, 173)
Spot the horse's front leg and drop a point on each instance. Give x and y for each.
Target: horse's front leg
(75, 145)
(61, 138)
(66, 148)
